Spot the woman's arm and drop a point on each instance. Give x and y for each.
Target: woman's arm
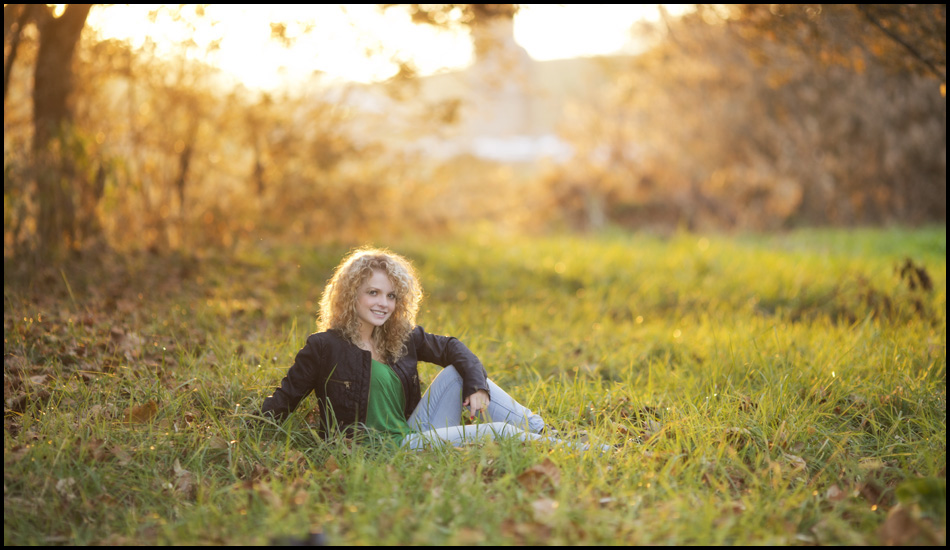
(297, 384)
(448, 350)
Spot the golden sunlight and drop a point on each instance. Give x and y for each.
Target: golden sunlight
(558, 31)
(334, 39)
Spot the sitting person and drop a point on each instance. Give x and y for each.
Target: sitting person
(362, 365)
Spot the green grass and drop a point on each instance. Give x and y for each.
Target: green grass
(764, 389)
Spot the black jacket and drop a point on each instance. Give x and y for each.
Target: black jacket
(339, 372)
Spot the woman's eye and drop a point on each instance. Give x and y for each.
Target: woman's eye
(392, 296)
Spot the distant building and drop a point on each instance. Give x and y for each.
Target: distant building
(506, 107)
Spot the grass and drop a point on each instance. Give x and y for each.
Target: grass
(763, 389)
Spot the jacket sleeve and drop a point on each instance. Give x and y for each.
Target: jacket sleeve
(300, 380)
(448, 350)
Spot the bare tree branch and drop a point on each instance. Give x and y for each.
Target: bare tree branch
(901, 42)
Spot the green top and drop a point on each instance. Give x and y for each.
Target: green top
(384, 412)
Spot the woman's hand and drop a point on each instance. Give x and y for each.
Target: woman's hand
(478, 401)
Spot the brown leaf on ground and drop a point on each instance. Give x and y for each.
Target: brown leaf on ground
(901, 528)
(140, 413)
(541, 477)
(266, 494)
(544, 509)
(39, 379)
(15, 364)
(297, 461)
(97, 450)
(872, 492)
(797, 462)
(835, 494)
(128, 344)
(66, 488)
(184, 481)
(525, 533)
(217, 442)
(16, 453)
(19, 404)
(466, 536)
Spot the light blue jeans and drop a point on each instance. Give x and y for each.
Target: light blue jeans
(437, 419)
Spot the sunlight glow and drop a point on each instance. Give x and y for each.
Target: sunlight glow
(341, 35)
(557, 31)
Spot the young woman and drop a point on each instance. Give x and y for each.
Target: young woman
(362, 365)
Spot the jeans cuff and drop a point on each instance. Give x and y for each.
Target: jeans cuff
(535, 423)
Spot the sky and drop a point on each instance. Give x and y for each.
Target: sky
(340, 35)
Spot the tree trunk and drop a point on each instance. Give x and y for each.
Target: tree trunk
(52, 85)
(52, 78)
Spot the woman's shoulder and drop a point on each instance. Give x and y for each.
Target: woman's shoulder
(331, 337)
(419, 337)
(417, 333)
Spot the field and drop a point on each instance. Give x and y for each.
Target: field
(759, 389)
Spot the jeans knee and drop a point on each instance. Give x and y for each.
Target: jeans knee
(449, 375)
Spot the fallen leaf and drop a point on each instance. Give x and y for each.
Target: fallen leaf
(97, 449)
(604, 502)
(544, 509)
(184, 480)
(266, 494)
(20, 404)
(96, 412)
(299, 498)
(258, 473)
(217, 442)
(141, 413)
(871, 492)
(618, 427)
(331, 464)
(835, 494)
(15, 454)
(15, 363)
(65, 488)
(129, 344)
(526, 533)
(543, 476)
(797, 462)
(39, 379)
(901, 528)
(466, 536)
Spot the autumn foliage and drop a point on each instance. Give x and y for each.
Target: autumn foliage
(743, 117)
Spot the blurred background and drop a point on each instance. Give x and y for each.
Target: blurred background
(186, 127)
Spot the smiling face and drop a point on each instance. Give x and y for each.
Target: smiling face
(375, 302)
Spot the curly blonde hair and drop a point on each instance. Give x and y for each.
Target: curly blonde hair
(338, 303)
